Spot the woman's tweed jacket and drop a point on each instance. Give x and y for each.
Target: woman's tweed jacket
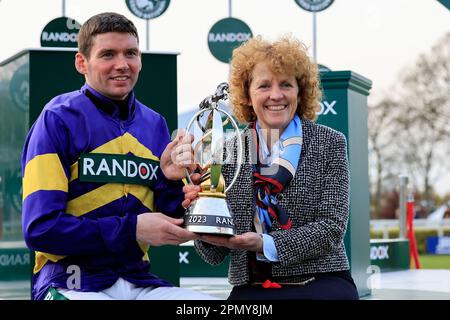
(316, 200)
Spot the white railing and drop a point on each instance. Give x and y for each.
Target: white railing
(385, 224)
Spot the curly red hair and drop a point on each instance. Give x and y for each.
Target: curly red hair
(286, 55)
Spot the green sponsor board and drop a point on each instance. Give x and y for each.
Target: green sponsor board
(225, 35)
(60, 32)
(117, 168)
(14, 262)
(192, 265)
(163, 263)
(390, 254)
(147, 9)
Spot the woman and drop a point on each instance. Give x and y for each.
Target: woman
(291, 199)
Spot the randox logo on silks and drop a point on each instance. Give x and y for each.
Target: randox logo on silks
(147, 9)
(117, 168)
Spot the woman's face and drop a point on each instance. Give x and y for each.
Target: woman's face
(273, 97)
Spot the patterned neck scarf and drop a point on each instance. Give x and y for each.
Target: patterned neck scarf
(273, 172)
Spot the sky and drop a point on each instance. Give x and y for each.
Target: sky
(375, 38)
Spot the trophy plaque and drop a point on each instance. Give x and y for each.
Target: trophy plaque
(210, 212)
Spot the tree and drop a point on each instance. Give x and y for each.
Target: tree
(382, 151)
(409, 129)
(424, 126)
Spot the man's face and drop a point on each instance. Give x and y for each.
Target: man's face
(113, 65)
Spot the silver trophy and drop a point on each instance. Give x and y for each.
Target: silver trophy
(210, 213)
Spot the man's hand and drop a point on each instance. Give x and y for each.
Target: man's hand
(178, 156)
(156, 229)
(250, 241)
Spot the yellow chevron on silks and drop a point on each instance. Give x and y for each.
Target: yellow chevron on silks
(145, 195)
(108, 193)
(133, 145)
(41, 259)
(95, 199)
(44, 172)
(120, 145)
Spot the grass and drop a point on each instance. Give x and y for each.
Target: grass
(434, 261)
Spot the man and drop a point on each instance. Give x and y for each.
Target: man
(95, 164)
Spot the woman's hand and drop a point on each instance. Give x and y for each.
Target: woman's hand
(190, 193)
(250, 241)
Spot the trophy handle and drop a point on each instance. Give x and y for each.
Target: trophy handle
(239, 140)
(240, 148)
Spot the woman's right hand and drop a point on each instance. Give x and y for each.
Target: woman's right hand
(190, 194)
(250, 241)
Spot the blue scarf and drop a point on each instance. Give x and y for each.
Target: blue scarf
(273, 172)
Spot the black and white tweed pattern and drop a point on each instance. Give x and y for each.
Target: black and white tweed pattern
(316, 200)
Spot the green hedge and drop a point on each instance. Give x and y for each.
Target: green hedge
(421, 236)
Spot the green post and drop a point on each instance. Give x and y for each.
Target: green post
(30, 79)
(344, 108)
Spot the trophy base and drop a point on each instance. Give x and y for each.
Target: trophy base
(209, 215)
(229, 232)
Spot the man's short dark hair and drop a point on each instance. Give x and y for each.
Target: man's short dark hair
(103, 23)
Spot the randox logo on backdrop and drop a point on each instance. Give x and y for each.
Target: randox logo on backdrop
(14, 259)
(327, 108)
(117, 168)
(379, 252)
(147, 9)
(60, 32)
(225, 35)
(314, 5)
